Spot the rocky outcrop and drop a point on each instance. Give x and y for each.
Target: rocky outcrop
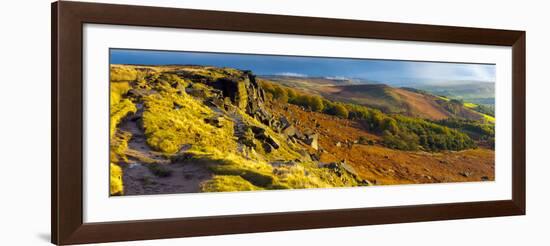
(242, 91)
(234, 88)
(245, 93)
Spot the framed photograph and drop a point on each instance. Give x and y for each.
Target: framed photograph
(174, 122)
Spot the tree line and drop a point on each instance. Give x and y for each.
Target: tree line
(397, 131)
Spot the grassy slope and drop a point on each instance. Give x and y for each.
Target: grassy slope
(476, 92)
(472, 106)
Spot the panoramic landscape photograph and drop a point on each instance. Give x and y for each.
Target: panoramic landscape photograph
(190, 122)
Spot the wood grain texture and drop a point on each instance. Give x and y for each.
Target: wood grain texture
(518, 123)
(67, 123)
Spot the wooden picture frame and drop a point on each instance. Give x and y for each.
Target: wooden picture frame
(67, 122)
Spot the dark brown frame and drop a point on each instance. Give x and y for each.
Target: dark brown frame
(66, 219)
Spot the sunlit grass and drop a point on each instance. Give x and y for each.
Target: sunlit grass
(119, 111)
(489, 118)
(262, 174)
(119, 146)
(171, 120)
(221, 183)
(116, 186)
(123, 73)
(470, 105)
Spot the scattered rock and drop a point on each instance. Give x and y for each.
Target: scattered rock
(268, 139)
(315, 157)
(299, 135)
(291, 140)
(281, 163)
(313, 141)
(272, 142)
(284, 122)
(267, 147)
(257, 130)
(331, 165)
(289, 131)
(365, 182)
(338, 144)
(348, 168)
(247, 141)
(177, 106)
(466, 174)
(305, 155)
(339, 168)
(280, 172)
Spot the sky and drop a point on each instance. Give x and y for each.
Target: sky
(383, 71)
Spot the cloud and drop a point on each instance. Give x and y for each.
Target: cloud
(290, 74)
(486, 73)
(337, 78)
(450, 71)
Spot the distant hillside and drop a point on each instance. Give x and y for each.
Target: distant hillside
(398, 100)
(309, 83)
(476, 92)
(408, 101)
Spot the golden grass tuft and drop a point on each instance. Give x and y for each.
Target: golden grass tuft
(213, 73)
(118, 89)
(119, 111)
(172, 120)
(119, 146)
(120, 107)
(116, 186)
(225, 183)
(123, 73)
